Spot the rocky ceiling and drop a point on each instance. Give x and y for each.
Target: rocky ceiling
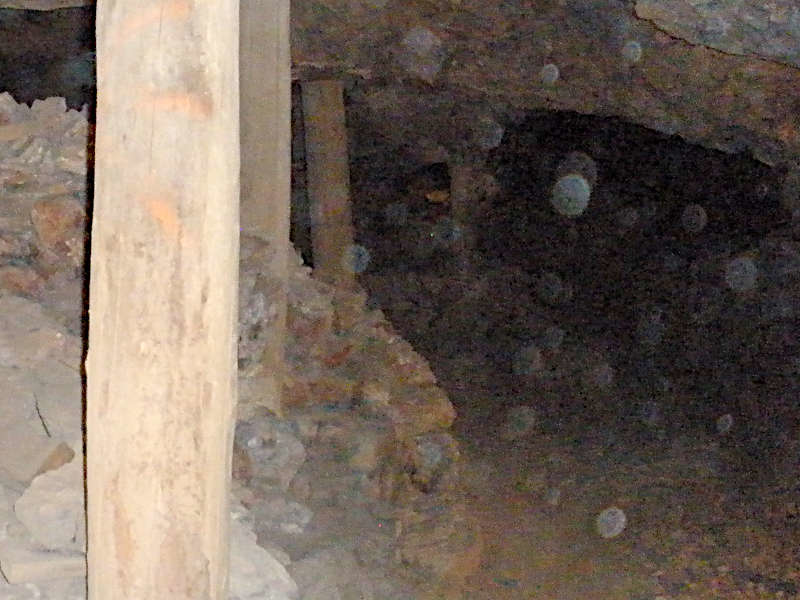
(443, 78)
(447, 75)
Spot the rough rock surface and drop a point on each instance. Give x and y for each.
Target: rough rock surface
(255, 573)
(441, 79)
(443, 74)
(767, 29)
(364, 424)
(52, 509)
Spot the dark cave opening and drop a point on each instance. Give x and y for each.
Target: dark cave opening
(57, 57)
(634, 289)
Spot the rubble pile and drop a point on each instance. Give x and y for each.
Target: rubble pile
(43, 169)
(350, 468)
(366, 411)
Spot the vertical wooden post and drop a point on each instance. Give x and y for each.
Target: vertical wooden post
(463, 200)
(463, 193)
(300, 213)
(161, 364)
(265, 66)
(328, 180)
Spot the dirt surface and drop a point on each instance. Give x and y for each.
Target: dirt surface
(699, 524)
(534, 548)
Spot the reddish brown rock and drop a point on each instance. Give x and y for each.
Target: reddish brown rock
(333, 390)
(15, 179)
(24, 281)
(295, 394)
(388, 358)
(348, 309)
(415, 410)
(60, 225)
(308, 328)
(409, 365)
(327, 390)
(443, 539)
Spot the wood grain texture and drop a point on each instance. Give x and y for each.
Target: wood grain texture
(161, 363)
(265, 64)
(328, 180)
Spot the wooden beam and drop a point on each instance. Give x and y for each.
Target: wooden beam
(161, 363)
(265, 65)
(328, 180)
